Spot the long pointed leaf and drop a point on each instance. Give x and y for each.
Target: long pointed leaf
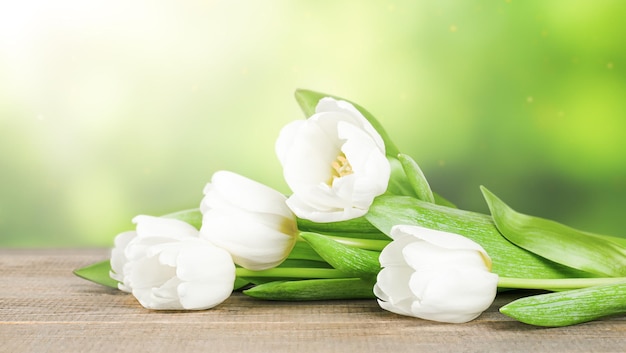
(416, 178)
(557, 242)
(508, 259)
(408, 180)
(398, 180)
(352, 261)
(569, 307)
(354, 228)
(314, 289)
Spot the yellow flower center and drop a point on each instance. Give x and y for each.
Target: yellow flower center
(340, 167)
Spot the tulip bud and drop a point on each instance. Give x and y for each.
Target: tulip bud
(434, 275)
(166, 266)
(249, 220)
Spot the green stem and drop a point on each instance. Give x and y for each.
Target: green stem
(556, 284)
(292, 272)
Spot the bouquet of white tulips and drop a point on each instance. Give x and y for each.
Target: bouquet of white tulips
(362, 222)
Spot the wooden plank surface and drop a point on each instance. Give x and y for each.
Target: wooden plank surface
(45, 308)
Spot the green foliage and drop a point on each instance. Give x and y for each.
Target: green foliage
(569, 307)
(416, 178)
(355, 228)
(352, 261)
(97, 273)
(314, 289)
(398, 180)
(508, 259)
(557, 242)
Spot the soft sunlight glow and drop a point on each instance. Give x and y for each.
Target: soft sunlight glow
(159, 95)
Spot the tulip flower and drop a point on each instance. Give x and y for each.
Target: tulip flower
(167, 266)
(434, 275)
(249, 220)
(334, 162)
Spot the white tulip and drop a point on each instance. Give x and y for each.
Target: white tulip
(434, 275)
(249, 220)
(167, 266)
(334, 162)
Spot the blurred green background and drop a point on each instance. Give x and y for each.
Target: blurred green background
(109, 109)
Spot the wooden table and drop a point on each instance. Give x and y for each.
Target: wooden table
(45, 308)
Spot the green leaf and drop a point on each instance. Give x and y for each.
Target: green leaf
(314, 289)
(440, 200)
(365, 244)
(308, 101)
(353, 228)
(192, 216)
(303, 251)
(352, 261)
(557, 242)
(508, 259)
(97, 273)
(398, 181)
(240, 283)
(416, 178)
(407, 179)
(299, 263)
(569, 307)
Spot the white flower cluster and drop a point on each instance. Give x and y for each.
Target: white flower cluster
(168, 264)
(335, 163)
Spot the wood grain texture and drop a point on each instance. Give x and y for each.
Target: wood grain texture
(45, 308)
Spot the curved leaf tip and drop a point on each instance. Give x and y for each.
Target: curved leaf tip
(592, 253)
(97, 273)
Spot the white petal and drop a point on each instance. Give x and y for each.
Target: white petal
(147, 273)
(253, 245)
(343, 193)
(201, 261)
(394, 283)
(248, 194)
(122, 239)
(305, 211)
(403, 308)
(207, 274)
(148, 300)
(167, 292)
(168, 254)
(118, 258)
(329, 104)
(454, 295)
(423, 255)
(149, 226)
(204, 295)
(442, 239)
(392, 253)
(286, 139)
(327, 198)
(308, 161)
